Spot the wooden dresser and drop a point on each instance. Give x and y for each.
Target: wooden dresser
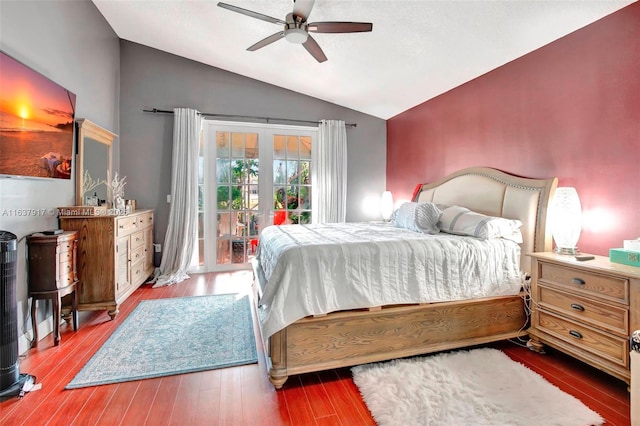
(52, 275)
(115, 256)
(585, 308)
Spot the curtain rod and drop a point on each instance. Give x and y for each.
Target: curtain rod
(267, 119)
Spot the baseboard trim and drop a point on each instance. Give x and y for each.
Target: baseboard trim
(45, 328)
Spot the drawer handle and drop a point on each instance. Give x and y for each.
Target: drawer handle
(575, 334)
(578, 281)
(121, 226)
(577, 307)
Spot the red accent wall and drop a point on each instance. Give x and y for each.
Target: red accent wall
(570, 109)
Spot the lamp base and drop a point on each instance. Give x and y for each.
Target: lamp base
(569, 251)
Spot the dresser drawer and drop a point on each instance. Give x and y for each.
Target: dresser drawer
(126, 224)
(606, 316)
(605, 346)
(137, 254)
(582, 282)
(137, 239)
(138, 274)
(145, 219)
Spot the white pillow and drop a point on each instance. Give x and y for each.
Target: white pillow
(418, 217)
(462, 221)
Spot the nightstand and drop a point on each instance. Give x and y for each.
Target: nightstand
(586, 309)
(52, 275)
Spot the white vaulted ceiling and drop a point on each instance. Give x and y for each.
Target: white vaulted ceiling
(416, 51)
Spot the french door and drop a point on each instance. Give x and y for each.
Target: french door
(251, 176)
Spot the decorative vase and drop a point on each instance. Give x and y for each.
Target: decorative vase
(119, 203)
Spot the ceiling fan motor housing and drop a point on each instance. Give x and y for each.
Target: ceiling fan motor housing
(295, 30)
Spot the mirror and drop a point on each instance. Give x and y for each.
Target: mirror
(94, 157)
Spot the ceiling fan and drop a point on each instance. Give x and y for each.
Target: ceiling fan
(296, 28)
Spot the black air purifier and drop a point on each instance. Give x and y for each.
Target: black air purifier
(11, 381)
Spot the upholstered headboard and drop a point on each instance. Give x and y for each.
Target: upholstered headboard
(495, 193)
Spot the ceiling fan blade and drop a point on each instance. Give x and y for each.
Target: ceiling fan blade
(266, 41)
(303, 8)
(251, 13)
(340, 27)
(314, 48)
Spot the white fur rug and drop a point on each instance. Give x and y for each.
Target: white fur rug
(477, 387)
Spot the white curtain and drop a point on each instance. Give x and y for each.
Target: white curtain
(329, 173)
(182, 230)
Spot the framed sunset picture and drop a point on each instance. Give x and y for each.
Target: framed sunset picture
(36, 123)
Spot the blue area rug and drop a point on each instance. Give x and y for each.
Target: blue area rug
(162, 337)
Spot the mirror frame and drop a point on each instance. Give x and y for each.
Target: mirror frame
(88, 129)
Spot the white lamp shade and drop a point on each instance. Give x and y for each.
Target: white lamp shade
(386, 205)
(565, 219)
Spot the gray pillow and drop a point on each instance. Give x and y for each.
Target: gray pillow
(418, 217)
(462, 221)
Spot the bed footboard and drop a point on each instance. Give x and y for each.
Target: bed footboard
(348, 338)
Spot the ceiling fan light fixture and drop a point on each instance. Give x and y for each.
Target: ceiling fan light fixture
(296, 29)
(296, 35)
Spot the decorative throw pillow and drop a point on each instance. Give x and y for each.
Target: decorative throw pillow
(419, 217)
(462, 221)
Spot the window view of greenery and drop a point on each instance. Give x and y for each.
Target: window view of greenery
(235, 223)
(237, 167)
(291, 179)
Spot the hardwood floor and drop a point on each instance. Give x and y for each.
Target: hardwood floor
(237, 395)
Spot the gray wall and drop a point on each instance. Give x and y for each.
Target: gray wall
(70, 43)
(151, 78)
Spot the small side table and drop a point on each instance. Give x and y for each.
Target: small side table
(52, 275)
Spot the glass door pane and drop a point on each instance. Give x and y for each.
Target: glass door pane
(291, 179)
(237, 166)
(238, 199)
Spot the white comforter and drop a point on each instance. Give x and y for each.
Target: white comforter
(316, 269)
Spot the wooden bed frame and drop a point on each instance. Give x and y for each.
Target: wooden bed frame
(346, 338)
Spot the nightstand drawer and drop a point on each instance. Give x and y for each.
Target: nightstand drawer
(66, 256)
(603, 345)
(66, 268)
(584, 283)
(606, 316)
(66, 245)
(66, 280)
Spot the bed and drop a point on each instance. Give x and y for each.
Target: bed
(322, 335)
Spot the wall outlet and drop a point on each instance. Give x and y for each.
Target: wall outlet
(157, 248)
(168, 198)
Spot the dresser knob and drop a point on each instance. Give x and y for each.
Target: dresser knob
(577, 307)
(578, 281)
(575, 334)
